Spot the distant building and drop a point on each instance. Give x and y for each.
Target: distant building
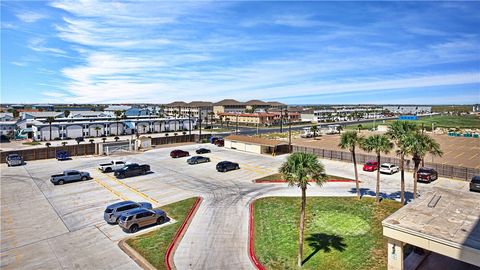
(408, 109)
(44, 107)
(113, 108)
(198, 109)
(89, 114)
(6, 117)
(228, 106)
(7, 128)
(137, 112)
(476, 108)
(248, 118)
(39, 115)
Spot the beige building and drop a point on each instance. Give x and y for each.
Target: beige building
(256, 145)
(439, 230)
(197, 109)
(247, 118)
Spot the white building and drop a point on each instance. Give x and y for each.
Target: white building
(90, 114)
(7, 127)
(64, 128)
(40, 115)
(408, 109)
(6, 116)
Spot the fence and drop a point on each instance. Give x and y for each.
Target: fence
(449, 171)
(179, 139)
(50, 152)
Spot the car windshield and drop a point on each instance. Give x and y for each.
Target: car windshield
(385, 166)
(14, 157)
(476, 180)
(108, 210)
(370, 163)
(424, 171)
(125, 218)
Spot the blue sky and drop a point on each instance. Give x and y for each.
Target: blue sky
(295, 52)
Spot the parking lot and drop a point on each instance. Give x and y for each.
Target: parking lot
(55, 227)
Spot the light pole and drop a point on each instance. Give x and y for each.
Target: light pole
(236, 127)
(189, 123)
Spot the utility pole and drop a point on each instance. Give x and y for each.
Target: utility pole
(281, 120)
(289, 135)
(189, 123)
(200, 130)
(236, 127)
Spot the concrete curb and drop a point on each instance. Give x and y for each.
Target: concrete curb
(179, 235)
(135, 256)
(251, 251)
(283, 181)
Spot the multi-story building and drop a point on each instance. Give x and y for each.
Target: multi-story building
(228, 106)
(197, 109)
(346, 113)
(247, 118)
(408, 109)
(63, 128)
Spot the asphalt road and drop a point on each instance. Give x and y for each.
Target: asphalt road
(58, 227)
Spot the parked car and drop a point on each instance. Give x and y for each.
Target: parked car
(388, 168)
(111, 166)
(69, 176)
(14, 160)
(179, 153)
(220, 142)
(475, 183)
(214, 139)
(62, 155)
(370, 166)
(227, 166)
(203, 151)
(114, 211)
(426, 175)
(197, 159)
(132, 169)
(133, 220)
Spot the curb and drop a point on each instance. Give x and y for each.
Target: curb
(251, 251)
(179, 235)
(135, 256)
(283, 181)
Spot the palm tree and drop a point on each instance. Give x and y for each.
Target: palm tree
(50, 120)
(298, 170)
(418, 145)
(314, 129)
(398, 132)
(350, 140)
(378, 144)
(117, 118)
(97, 129)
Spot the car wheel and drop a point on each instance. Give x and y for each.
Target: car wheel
(224, 169)
(61, 182)
(108, 170)
(84, 178)
(134, 228)
(160, 220)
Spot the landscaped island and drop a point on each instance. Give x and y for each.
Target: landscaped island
(340, 233)
(153, 245)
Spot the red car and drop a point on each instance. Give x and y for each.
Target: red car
(426, 175)
(179, 153)
(220, 143)
(370, 166)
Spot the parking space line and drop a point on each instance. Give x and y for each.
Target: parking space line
(458, 155)
(252, 168)
(473, 156)
(111, 190)
(141, 194)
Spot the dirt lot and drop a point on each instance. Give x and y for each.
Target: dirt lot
(458, 151)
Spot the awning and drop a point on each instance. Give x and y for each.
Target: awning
(130, 125)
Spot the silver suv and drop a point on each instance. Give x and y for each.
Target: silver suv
(14, 160)
(133, 220)
(114, 211)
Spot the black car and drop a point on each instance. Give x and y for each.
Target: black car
(426, 175)
(132, 169)
(197, 159)
(227, 166)
(475, 183)
(203, 151)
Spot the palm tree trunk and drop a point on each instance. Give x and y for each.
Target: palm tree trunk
(302, 225)
(356, 173)
(415, 171)
(377, 189)
(50, 131)
(402, 179)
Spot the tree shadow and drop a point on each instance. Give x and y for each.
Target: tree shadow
(324, 242)
(383, 195)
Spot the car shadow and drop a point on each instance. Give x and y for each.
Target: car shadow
(324, 242)
(383, 195)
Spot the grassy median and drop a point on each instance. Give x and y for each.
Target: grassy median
(341, 232)
(153, 245)
(278, 176)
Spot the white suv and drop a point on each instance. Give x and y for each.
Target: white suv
(388, 168)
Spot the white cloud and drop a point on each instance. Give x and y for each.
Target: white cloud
(39, 45)
(19, 64)
(30, 16)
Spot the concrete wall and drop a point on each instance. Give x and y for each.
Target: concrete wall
(253, 148)
(74, 131)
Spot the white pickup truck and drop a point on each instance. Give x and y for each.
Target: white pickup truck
(112, 166)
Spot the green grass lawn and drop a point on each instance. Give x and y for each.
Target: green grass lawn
(444, 121)
(341, 232)
(278, 176)
(31, 143)
(153, 245)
